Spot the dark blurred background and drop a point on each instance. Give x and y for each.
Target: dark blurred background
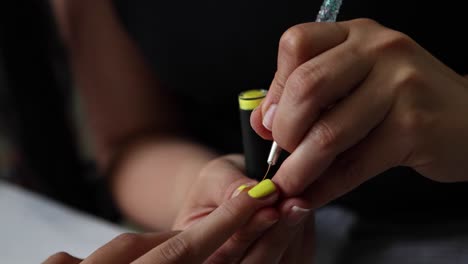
(43, 145)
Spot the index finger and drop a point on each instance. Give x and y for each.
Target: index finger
(297, 45)
(203, 238)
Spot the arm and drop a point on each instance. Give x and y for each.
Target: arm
(123, 102)
(158, 179)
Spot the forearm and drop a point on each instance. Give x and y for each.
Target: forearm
(153, 178)
(130, 117)
(120, 95)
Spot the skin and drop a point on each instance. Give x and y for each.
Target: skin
(345, 93)
(336, 134)
(141, 147)
(272, 235)
(194, 245)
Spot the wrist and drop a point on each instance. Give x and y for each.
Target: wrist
(189, 170)
(152, 179)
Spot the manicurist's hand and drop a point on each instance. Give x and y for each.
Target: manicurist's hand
(352, 99)
(192, 245)
(276, 232)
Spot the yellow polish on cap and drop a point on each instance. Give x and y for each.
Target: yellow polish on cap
(263, 189)
(249, 100)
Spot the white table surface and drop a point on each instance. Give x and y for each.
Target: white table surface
(33, 227)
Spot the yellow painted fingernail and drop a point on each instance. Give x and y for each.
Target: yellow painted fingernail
(241, 189)
(263, 189)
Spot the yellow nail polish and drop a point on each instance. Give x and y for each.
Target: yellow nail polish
(241, 189)
(263, 189)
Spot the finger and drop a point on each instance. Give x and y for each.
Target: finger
(236, 246)
(376, 154)
(127, 247)
(204, 237)
(342, 127)
(231, 168)
(223, 175)
(272, 245)
(297, 45)
(313, 87)
(256, 121)
(293, 252)
(62, 258)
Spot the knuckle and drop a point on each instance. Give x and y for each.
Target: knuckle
(293, 42)
(413, 122)
(126, 240)
(365, 22)
(393, 41)
(234, 161)
(306, 82)
(205, 174)
(362, 28)
(211, 165)
(175, 249)
(59, 258)
(324, 137)
(407, 79)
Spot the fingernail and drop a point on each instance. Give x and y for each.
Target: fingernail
(268, 117)
(296, 215)
(242, 188)
(263, 189)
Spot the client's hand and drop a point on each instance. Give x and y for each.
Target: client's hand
(273, 234)
(193, 245)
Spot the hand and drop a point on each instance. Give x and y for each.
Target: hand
(192, 245)
(350, 100)
(271, 235)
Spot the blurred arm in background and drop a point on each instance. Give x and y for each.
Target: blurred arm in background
(128, 115)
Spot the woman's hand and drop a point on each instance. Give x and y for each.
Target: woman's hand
(193, 245)
(274, 233)
(352, 99)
